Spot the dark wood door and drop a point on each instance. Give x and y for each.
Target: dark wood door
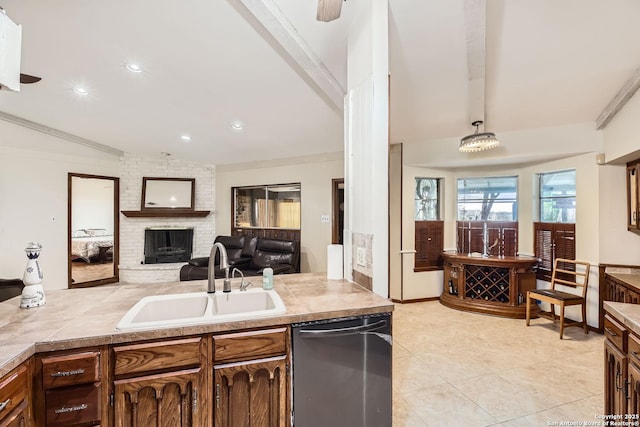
(251, 394)
(634, 390)
(19, 417)
(163, 400)
(615, 373)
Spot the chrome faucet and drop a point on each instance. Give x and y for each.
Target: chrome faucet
(243, 285)
(224, 264)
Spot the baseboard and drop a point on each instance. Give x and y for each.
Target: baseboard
(409, 301)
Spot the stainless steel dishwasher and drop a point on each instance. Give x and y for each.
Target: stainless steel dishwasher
(342, 372)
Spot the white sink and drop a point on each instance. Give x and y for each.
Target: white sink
(200, 308)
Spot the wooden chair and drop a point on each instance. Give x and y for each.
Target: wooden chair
(564, 299)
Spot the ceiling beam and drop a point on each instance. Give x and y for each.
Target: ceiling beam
(59, 134)
(618, 101)
(296, 49)
(475, 24)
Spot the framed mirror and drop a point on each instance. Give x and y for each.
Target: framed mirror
(168, 193)
(93, 230)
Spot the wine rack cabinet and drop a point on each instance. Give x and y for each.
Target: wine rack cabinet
(490, 285)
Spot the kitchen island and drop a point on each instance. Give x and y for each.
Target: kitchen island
(78, 326)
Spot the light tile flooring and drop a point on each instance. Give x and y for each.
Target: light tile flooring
(452, 368)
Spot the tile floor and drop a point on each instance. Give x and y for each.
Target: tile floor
(452, 368)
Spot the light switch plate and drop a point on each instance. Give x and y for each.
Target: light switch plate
(361, 257)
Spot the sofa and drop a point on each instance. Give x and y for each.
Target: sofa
(249, 255)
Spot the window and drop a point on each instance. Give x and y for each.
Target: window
(488, 199)
(267, 206)
(429, 229)
(487, 215)
(427, 199)
(554, 235)
(558, 196)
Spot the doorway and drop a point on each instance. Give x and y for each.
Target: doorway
(93, 230)
(337, 223)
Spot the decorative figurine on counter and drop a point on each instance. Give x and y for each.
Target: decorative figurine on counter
(33, 292)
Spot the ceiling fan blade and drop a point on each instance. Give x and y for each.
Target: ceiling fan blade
(328, 10)
(27, 79)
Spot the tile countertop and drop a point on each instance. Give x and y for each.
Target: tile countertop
(628, 314)
(630, 279)
(75, 318)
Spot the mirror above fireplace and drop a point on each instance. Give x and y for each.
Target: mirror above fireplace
(168, 193)
(167, 197)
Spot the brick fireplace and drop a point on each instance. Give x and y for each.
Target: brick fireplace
(133, 268)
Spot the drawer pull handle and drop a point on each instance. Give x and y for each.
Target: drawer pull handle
(76, 408)
(68, 373)
(217, 396)
(610, 332)
(636, 355)
(4, 404)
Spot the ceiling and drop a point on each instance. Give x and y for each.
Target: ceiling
(207, 63)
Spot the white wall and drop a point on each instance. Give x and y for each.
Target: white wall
(367, 144)
(622, 134)
(33, 197)
(314, 173)
(617, 244)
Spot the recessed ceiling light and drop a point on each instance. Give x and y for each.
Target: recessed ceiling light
(185, 138)
(80, 90)
(134, 68)
(237, 125)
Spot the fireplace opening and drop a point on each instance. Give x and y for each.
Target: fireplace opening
(167, 245)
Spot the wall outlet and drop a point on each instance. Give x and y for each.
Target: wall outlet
(361, 257)
(324, 218)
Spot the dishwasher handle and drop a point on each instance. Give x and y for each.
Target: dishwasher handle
(340, 332)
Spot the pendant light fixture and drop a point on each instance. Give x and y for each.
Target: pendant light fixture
(478, 141)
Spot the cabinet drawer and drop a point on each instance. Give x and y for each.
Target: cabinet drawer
(634, 350)
(249, 345)
(616, 333)
(72, 405)
(137, 358)
(13, 390)
(71, 369)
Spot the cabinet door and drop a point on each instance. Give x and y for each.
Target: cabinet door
(615, 373)
(161, 400)
(634, 389)
(609, 288)
(621, 293)
(18, 417)
(632, 297)
(251, 394)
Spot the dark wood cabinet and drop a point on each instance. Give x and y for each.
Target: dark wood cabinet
(71, 387)
(251, 377)
(633, 385)
(615, 376)
(491, 285)
(166, 399)
(621, 369)
(633, 201)
(15, 397)
(160, 383)
(251, 394)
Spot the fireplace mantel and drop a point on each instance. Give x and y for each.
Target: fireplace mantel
(165, 213)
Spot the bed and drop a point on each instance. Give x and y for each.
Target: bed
(90, 244)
